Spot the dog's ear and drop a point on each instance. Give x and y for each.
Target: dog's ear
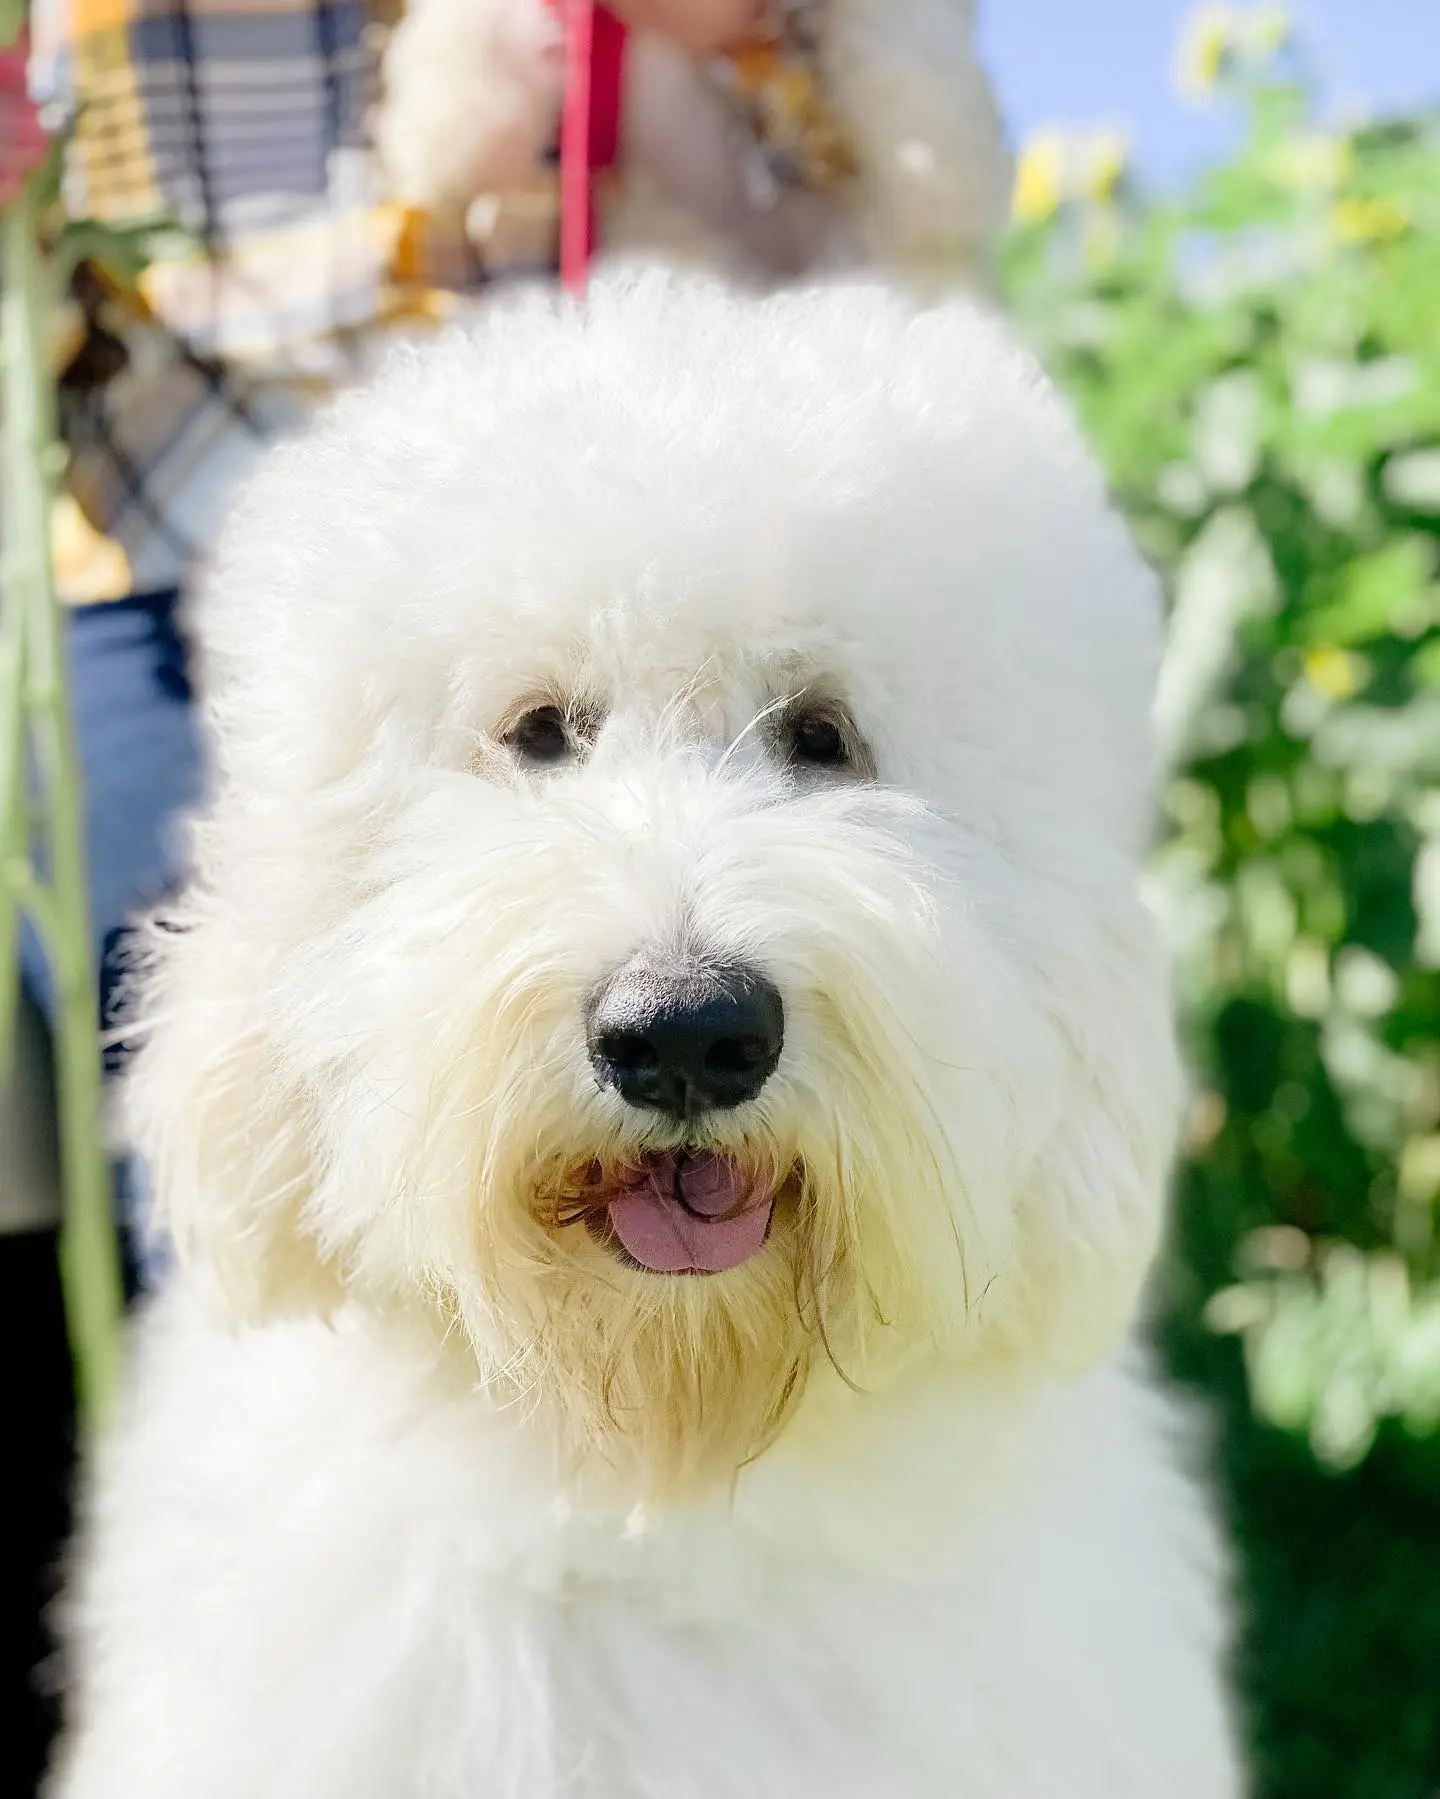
(221, 1126)
(1090, 1222)
(1094, 1209)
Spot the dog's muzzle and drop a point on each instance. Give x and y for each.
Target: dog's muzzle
(704, 1038)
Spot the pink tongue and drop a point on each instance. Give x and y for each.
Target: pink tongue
(682, 1216)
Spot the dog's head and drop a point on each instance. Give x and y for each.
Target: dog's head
(669, 908)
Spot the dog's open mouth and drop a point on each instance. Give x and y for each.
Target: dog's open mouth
(684, 1211)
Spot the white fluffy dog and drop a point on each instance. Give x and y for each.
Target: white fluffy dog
(663, 1091)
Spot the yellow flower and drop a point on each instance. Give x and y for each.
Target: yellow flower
(1107, 156)
(1370, 221)
(1335, 673)
(1208, 36)
(1039, 178)
(1268, 29)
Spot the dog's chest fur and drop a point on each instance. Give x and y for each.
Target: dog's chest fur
(337, 1580)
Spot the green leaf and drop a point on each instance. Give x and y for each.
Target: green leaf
(1365, 598)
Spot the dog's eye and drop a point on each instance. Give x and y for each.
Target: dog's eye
(821, 738)
(817, 739)
(541, 736)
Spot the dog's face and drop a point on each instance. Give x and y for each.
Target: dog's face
(669, 908)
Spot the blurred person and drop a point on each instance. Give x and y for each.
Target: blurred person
(768, 138)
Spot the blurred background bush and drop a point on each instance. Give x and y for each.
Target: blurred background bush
(1258, 362)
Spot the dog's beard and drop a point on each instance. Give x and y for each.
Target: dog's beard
(680, 1376)
(676, 1380)
(671, 1380)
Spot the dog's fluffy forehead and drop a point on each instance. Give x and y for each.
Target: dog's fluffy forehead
(674, 484)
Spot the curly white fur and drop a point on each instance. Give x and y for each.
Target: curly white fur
(472, 95)
(423, 1493)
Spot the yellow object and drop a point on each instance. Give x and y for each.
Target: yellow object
(1214, 33)
(1039, 178)
(1107, 157)
(1335, 673)
(1207, 38)
(1057, 167)
(1369, 221)
(88, 567)
(1268, 29)
(67, 334)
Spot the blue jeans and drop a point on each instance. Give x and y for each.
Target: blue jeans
(140, 756)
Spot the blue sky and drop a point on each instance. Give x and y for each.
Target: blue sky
(1080, 61)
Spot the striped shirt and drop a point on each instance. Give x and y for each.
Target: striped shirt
(244, 123)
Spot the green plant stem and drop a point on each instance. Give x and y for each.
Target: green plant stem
(36, 711)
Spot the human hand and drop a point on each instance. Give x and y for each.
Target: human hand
(22, 142)
(700, 27)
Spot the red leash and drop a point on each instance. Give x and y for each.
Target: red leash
(589, 126)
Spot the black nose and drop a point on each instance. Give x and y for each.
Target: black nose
(699, 1040)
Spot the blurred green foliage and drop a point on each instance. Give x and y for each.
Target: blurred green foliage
(1258, 365)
